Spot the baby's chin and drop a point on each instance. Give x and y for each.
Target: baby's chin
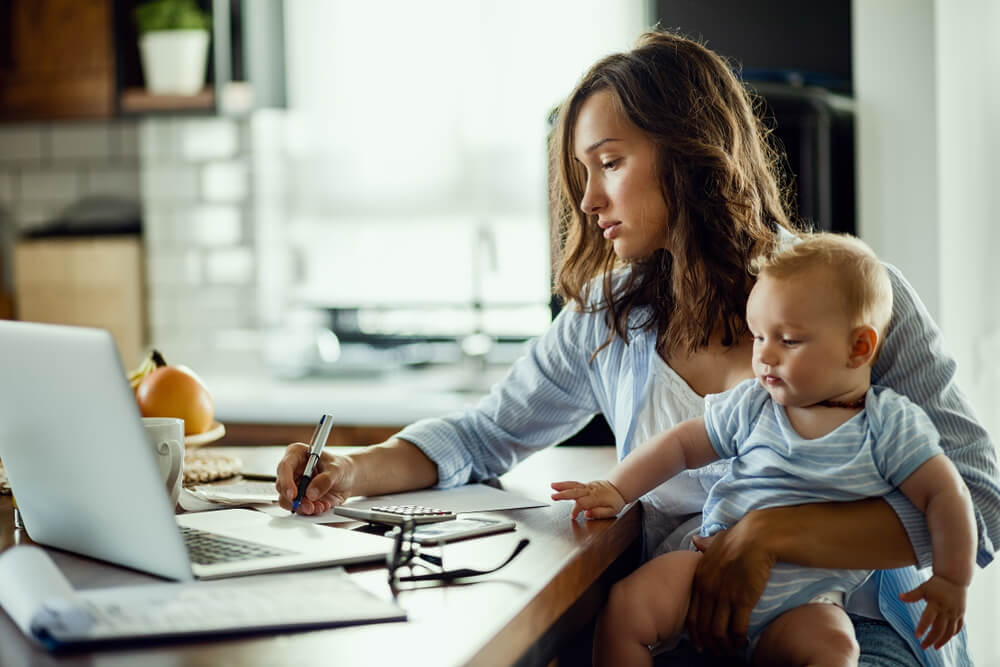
(779, 394)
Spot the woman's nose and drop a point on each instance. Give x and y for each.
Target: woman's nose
(592, 200)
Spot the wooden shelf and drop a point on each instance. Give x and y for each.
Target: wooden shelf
(137, 100)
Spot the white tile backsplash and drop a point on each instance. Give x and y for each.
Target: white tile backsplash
(170, 267)
(121, 182)
(232, 266)
(208, 139)
(215, 225)
(91, 141)
(224, 181)
(157, 140)
(158, 229)
(125, 141)
(21, 144)
(6, 187)
(168, 184)
(50, 185)
(29, 214)
(200, 240)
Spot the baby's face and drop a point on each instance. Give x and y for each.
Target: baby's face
(801, 337)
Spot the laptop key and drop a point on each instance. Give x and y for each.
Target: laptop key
(207, 548)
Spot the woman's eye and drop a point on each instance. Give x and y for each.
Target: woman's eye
(610, 164)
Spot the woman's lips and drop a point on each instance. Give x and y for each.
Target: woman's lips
(610, 229)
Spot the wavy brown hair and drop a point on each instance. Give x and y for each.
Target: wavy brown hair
(717, 175)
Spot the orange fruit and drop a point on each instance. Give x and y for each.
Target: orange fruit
(172, 391)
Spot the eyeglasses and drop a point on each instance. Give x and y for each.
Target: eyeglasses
(407, 553)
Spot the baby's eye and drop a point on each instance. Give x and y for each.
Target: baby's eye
(790, 341)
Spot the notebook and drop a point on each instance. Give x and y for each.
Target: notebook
(47, 609)
(86, 479)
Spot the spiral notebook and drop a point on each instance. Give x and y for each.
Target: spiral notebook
(41, 602)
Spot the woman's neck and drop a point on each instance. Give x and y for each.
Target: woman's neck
(714, 368)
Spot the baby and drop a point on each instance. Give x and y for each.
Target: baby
(809, 428)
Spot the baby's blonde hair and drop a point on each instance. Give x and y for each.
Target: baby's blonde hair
(864, 280)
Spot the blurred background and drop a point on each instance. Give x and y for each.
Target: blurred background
(351, 207)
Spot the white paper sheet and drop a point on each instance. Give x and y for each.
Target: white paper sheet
(28, 577)
(468, 498)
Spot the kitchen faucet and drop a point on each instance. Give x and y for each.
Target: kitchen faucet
(477, 344)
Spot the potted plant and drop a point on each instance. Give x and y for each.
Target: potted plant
(173, 45)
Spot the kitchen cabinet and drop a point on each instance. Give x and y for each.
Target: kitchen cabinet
(56, 59)
(87, 281)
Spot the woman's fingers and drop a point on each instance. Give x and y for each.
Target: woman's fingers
(720, 626)
(694, 609)
(290, 468)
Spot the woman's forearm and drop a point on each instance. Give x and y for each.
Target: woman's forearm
(393, 466)
(864, 534)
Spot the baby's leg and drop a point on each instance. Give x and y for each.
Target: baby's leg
(648, 605)
(813, 634)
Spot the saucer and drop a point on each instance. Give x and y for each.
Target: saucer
(215, 431)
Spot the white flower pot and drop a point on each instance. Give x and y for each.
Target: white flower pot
(173, 61)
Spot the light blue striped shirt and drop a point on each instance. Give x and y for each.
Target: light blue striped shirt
(553, 391)
(772, 465)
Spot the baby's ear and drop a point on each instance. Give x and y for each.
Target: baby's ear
(864, 342)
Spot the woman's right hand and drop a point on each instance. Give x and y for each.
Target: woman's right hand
(330, 486)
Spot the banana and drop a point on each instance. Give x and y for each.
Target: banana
(148, 365)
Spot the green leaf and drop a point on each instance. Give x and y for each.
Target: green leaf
(171, 15)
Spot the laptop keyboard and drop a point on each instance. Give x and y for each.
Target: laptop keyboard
(207, 548)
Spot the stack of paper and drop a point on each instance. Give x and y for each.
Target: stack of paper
(238, 494)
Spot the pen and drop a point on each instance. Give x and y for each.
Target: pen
(319, 437)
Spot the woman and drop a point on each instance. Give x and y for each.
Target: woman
(667, 191)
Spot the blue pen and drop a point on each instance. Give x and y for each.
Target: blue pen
(319, 437)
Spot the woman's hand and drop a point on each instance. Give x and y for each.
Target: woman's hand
(330, 486)
(730, 578)
(597, 500)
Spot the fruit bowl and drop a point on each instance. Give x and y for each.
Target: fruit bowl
(215, 431)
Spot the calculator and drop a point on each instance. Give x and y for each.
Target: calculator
(395, 515)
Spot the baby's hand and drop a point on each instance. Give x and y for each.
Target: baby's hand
(945, 610)
(597, 500)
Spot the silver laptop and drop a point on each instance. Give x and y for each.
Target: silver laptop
(78, 462)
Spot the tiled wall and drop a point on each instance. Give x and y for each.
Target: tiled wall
(199, 235)
(192, 177)
(46, 167)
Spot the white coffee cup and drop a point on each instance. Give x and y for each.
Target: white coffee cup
(166, 435)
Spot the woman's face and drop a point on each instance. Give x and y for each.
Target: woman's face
(622, 189)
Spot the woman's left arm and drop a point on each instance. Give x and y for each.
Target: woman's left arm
(864, 534)
(913, 363)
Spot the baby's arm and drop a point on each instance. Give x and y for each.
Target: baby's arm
(938, 491)
(683, 447)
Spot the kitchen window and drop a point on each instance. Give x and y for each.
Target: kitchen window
(415, 166)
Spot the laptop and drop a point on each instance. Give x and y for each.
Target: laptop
(86, 479)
